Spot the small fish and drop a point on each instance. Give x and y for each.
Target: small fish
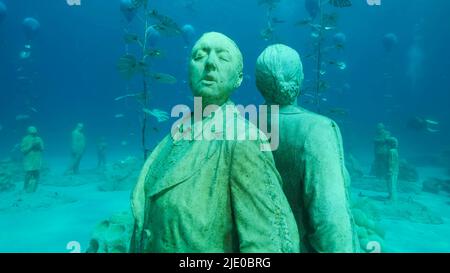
(323, 86)
(133, 95)
(158, 114)
(304, 22)
(155, 129)
(124, 143)
(164, 78)
(429, 121)
(277, 21)
(22, 117)
(25, 54)
(22, 78)
(130, 38)
(340, 46)
(339, 111)
(153, 52)
(33, 109)
(341, 65)
(119, 116)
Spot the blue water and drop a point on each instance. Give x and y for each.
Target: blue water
(74, 77)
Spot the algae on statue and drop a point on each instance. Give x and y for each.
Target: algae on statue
(212, 195)
(310, 157)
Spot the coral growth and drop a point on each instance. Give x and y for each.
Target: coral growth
(366, 218)
(121, 175)
(10, 171)
(112, 235)
(407, 172)
(436, 185)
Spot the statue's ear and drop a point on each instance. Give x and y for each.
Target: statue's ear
(239, 80)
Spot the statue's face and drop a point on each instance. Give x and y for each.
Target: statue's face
(32, 130)
(215, 69)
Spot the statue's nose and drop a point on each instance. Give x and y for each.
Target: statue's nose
(211, 61)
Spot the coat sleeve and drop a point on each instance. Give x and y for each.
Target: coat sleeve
(138, 201)
(262, 215)
(329, 222)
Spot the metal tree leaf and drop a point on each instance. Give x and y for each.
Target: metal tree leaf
(130, 38)
(164, 78)
(154, 53)
(128, 66)
(166, 26)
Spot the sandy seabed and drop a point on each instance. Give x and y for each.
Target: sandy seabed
(67, 209)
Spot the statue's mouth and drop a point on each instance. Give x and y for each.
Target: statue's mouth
(209, 79)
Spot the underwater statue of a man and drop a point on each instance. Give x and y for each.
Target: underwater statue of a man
(214, 195)
(310, 157)
(386, 159)
(78, 148)
(32, 147)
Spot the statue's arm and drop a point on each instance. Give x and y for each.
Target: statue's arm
(138, 201)
(329, 220)
(263, 218)
(26, 145)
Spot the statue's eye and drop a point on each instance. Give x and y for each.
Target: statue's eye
(199, 56)
(224, 57)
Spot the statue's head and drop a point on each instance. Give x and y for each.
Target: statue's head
(382, 131)
(32, 130)
(279, 74)
(380, 126)
(215, 68)
(392, 143)
(80, 126)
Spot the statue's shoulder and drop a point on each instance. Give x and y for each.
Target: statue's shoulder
(305, 120)
(247, 130)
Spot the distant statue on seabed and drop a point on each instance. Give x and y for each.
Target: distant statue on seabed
(101, 154)
(386, 161)
(32, 147)
(78, 148)
(393, 168)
